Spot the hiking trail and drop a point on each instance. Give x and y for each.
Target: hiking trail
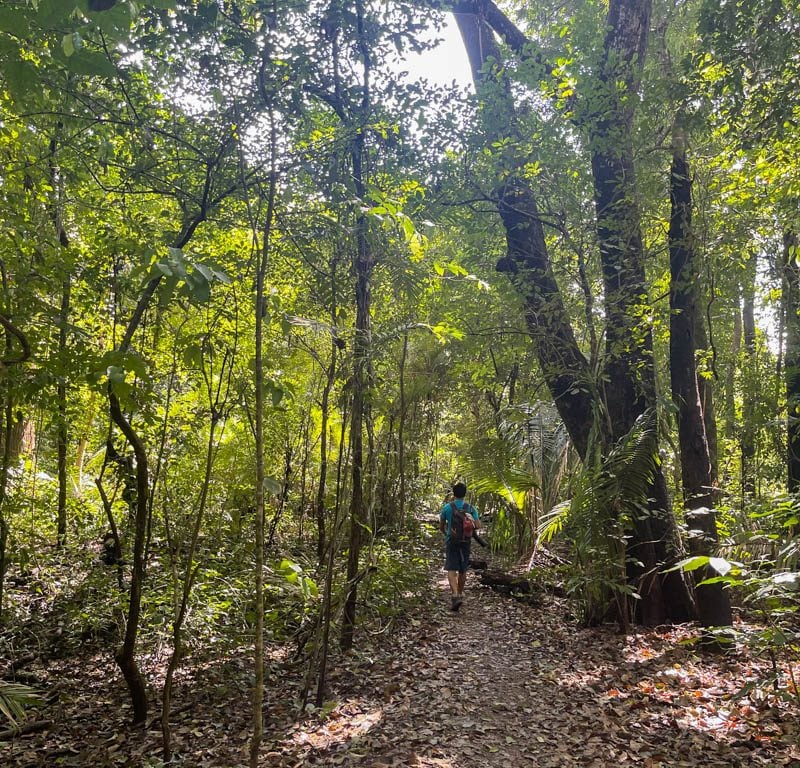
(498, 684)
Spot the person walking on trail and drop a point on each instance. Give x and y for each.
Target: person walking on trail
(457, 520)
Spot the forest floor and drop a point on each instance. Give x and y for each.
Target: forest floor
(499, 684)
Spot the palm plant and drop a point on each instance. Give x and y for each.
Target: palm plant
(609, 493)
(524, 464)
(14, 698)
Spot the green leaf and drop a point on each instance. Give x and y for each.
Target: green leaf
(68, 44)
(690, 564)
(91, 63)
(14, 21)
(720, 565)
(328, 707)
(198, 288)
(116, 22)
(193, 355)
(22, 80)
(52, 12)
(115, 374)
(205, 271)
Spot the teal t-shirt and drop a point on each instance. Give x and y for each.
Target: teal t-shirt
(446, 514)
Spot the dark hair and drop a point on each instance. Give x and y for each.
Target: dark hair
(460, 490)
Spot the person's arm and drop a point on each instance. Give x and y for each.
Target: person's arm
(442, 520)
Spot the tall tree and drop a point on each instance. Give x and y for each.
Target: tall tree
(713, 604)
(606, 115)
(791, 309)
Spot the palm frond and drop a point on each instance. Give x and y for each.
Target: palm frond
(551, 522)
(493, 467)
(630, 467)
(14, 698)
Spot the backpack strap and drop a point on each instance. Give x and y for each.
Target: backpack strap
(453, 510)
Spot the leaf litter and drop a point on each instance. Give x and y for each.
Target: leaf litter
(500, 684)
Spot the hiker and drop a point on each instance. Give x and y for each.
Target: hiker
(457, 521)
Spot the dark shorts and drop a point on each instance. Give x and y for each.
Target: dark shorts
(456, 556)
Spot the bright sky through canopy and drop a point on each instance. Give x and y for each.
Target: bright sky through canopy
(446, 62)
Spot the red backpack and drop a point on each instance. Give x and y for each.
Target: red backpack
(461, 523)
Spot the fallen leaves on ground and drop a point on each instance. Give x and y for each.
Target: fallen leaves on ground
(498, 684)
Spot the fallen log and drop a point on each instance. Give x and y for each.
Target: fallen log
(505, 582)
(16, 664)
(32, 727)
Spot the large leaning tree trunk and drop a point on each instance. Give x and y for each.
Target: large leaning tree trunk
(629, 367)
(713, 605)
(563, 365)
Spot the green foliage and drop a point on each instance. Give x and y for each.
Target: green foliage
(399, 571)
(606, 498)
(768, 587)
(15, 698)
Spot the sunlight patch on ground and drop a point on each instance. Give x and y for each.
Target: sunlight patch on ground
(351, 720)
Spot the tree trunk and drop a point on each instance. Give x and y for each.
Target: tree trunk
(401, 449)
(791, 309)
(629, 371)
(259, 309)
(563, 365)
(363, 267)
(63, 431)
(8, 418)
(705, 388)
(713, 605)
(750, 388)
(362, 347)
(188, 582)
(730, 374)
(126, 655)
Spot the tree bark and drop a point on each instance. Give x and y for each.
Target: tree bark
(629, 371)
(362, 346)
(126, 655)
(749, 387)
(5, 465)
(705, 388)
(791, 308)
(401, 449)
(713, 604)
(260, 516)
(563, 365)
(62, 430)
(217, 400)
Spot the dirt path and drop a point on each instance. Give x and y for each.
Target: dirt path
(502, 684)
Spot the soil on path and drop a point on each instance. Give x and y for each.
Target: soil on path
(499, 684)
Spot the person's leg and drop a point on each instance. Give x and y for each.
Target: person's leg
(462, 571)
(452, 565)
(452, 578)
